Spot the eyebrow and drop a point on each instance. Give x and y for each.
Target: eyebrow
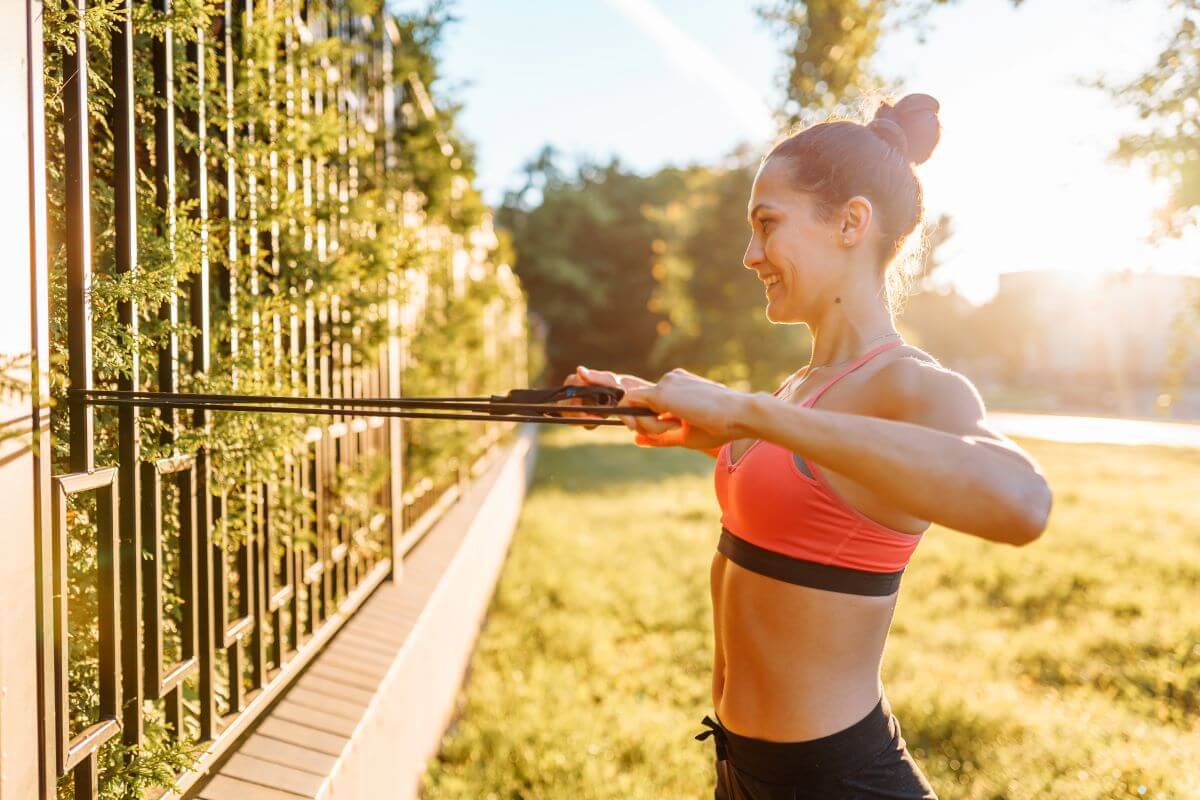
(758, 207)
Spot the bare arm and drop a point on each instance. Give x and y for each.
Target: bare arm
(935, 459)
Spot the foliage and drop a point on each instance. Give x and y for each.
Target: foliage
(1064, 669)
(585, 255)
(1168, 139)
(330, 219)
(715, 306)
(829, 47)
(643, 273)
(439, 162)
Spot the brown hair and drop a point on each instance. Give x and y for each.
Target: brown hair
(839, 159)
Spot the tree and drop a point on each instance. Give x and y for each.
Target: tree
(644, 273)
(1169, 143)
(829, 46)
(585, 255)
(715, 307)
(1169, 138)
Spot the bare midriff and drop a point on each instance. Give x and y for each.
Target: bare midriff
(792, 663)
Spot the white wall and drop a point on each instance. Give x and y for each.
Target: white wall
(18, 678)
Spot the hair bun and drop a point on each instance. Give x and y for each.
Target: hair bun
(915, 119)
(890, 132)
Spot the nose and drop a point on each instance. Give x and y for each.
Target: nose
(754, 255)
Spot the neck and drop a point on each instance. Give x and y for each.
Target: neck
(849, 328)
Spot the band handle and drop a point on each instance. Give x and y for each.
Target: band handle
(591, 395)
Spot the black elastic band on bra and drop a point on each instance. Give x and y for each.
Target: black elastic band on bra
(806, 573)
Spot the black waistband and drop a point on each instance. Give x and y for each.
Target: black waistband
(789, 762)
(806, 573)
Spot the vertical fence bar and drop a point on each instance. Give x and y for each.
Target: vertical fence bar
(248, 52)
(229, 52)
(198, 308)
(128, 434)
(296, 468)
(396, 317)
(77, 172)
(338, 549)
(231, 633)
(253, 487)
(258, 639)
(163, 64)
(325, 456)
(163, 56)
(272, 650)
(304, 554)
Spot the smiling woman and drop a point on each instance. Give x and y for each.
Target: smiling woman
(823, 508)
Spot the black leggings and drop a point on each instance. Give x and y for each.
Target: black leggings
(867, 761)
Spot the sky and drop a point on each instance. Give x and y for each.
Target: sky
(1023, 166)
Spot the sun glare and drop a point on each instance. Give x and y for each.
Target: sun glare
(1037, 208)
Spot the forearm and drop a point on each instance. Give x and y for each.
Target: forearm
(956, 481)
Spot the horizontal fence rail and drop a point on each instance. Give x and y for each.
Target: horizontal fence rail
(202, 248)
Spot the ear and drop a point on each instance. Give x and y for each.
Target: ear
(855, 221)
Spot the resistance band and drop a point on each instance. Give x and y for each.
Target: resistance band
(519, 405)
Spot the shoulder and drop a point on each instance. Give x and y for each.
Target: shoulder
(913, 387)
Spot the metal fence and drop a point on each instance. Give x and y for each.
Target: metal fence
(249, 610)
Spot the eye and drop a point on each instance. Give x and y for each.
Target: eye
(767, 225)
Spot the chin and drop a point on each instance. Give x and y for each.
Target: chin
(779, 315)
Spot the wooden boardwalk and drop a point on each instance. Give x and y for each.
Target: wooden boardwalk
(294, 751)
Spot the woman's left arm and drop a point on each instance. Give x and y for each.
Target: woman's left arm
(926, 448)
(930, 452)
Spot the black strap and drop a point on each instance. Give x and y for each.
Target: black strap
(802, 572)
(717, 732)
(519, 405)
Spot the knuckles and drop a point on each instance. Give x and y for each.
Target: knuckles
(674, 376)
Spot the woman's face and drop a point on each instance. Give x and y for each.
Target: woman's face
(792, 250)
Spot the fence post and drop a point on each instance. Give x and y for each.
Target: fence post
(24, 416)
(396, 344)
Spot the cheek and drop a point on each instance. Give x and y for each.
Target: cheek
(792, 251)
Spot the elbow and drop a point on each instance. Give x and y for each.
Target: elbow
(1030, 512)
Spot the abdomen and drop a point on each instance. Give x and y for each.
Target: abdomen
(791, 662)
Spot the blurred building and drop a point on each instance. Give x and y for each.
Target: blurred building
(1126, 326)
(1125, 343)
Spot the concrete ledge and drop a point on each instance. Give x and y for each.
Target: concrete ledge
(369, 712)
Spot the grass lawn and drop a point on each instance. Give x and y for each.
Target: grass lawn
(1067, 670)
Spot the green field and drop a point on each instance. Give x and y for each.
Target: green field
(1069, 669)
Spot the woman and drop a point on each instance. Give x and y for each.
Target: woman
(827, 485)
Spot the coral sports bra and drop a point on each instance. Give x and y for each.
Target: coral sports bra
(781, 518)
